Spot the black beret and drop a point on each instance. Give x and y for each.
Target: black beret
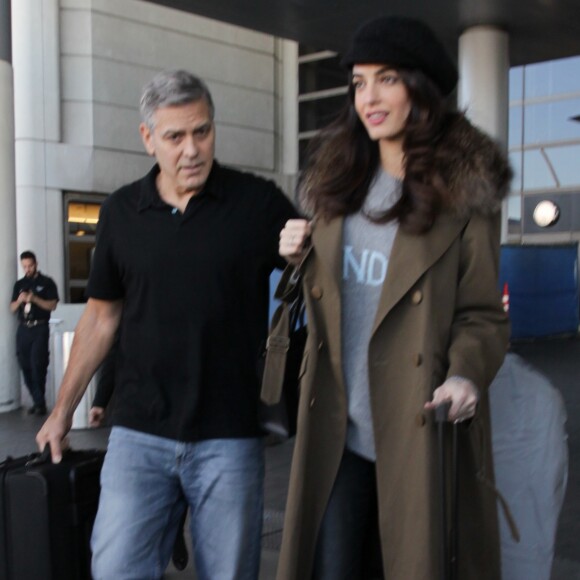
(403, 43)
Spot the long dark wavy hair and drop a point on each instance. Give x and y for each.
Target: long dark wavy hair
(342, 161)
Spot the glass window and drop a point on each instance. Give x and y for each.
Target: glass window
(566, 164)
(302, 148)
(514, 211)
(322, 87)
(80, 254)
(515, 126)
(557, 77)
(516, 163)
(321, 75)
(317, 113)
(553, 121)
(516, 83)
(536, 171)
(81, 218)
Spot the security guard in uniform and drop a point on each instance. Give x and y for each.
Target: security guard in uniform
(34, 297)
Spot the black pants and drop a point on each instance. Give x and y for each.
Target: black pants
(348, 545)
(32, 354)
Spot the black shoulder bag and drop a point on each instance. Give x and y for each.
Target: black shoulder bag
(282, 359)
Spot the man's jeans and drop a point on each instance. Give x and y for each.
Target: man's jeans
(146, 483)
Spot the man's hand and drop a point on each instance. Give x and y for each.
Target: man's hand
(24, 297)
(53, 433)
(93, 339)
(20, 300)
(462, 394)
(96, 416)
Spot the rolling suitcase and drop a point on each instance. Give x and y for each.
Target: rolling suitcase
(46, 515)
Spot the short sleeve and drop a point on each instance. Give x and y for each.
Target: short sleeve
(51, 290)
(15, 292)
(104, 279)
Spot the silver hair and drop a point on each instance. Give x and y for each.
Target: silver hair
(170, 88)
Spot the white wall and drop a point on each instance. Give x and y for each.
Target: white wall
(111, 48)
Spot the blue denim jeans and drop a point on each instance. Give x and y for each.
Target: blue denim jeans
(146, 484)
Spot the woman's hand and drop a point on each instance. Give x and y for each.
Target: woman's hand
(293, 240)
(462, 394)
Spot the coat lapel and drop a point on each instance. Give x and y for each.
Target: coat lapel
(411, 257)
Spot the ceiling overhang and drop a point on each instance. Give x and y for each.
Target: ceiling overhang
(539, 30)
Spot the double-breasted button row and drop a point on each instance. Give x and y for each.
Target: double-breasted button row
(420, 419)
(416, 297)
(316, 292)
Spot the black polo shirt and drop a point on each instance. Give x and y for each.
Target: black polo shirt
(41, 285)
(195, 291)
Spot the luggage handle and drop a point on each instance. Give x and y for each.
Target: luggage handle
(442, 412)
(449, 548)
(44, 456)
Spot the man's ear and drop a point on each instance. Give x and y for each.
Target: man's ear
(147, 137)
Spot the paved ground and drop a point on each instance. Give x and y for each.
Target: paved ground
(558, 359)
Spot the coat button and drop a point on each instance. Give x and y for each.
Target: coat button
(420, 420)
(320, 345)
(418, 359)
(316, 292)
(416, 297)
(312, 402)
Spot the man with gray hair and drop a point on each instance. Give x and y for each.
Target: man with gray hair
(181, 268)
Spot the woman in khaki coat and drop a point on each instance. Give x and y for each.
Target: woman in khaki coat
(399, 271)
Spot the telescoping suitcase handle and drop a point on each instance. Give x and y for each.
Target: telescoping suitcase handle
(448, 546)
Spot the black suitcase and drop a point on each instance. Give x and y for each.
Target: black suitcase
(46, 515)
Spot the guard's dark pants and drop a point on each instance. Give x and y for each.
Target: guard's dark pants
(32, 354)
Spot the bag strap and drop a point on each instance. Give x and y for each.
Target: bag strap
(289, 285)
(277, 347)
(288, 314)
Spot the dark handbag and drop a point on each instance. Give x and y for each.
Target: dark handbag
(282, 358)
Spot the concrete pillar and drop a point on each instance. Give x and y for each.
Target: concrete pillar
(287, 113)
(484, 85)
(9, 376)
(35, 25)
(290, 107)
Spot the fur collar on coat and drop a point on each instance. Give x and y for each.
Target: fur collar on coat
(473, 167)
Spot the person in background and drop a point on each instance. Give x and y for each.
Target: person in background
(181, 270)
(34, 297)
(103, 398)
(399, 270)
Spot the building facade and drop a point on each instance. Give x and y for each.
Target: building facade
(544, 147)
(79, 67)
(78, 70)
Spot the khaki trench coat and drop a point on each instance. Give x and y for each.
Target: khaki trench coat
(439, 315)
